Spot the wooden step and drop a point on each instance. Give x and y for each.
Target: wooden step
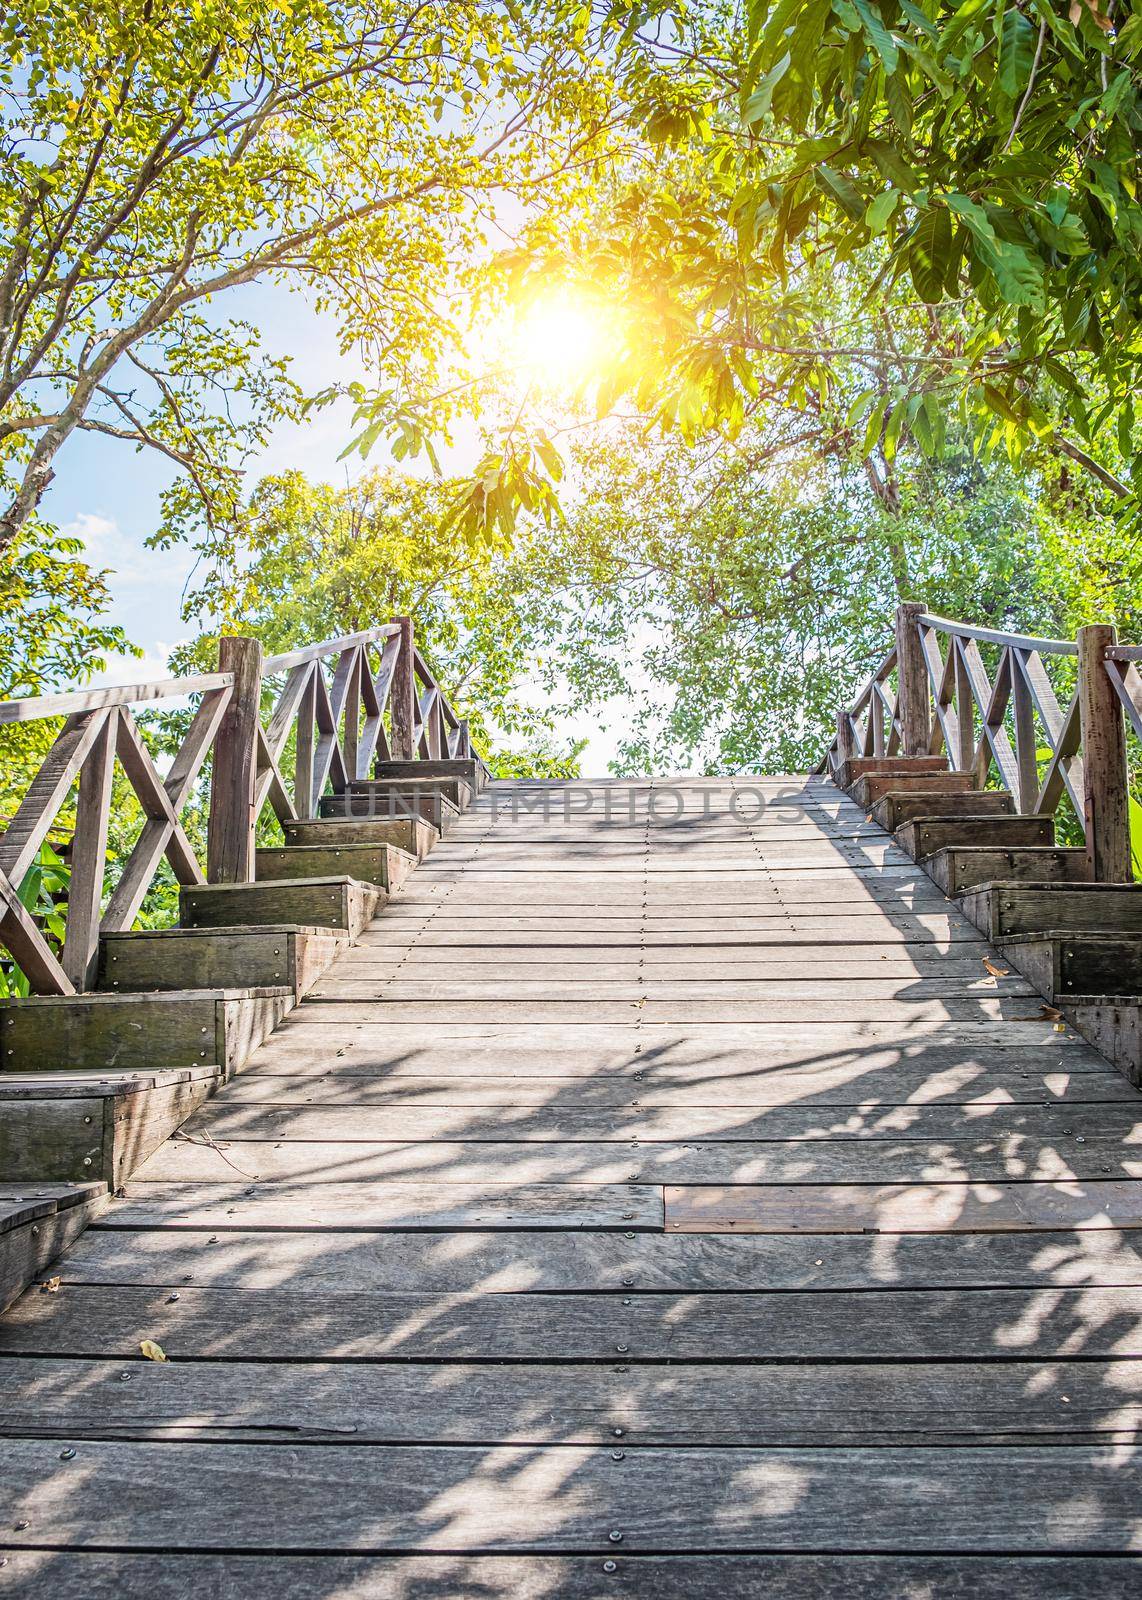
(338, 903)
(924, 836)
(380, 864)
(38, 1222)
(383, 793)
(411, 834)
(138, 1032)
(865, 766)
(1001, 909)
(57, 1127)
(892, 810)
(961, 867)
(473, 772)
(1062, 963)
(867, 791)
(1112, 1023)
(428, 801)
(254, 957)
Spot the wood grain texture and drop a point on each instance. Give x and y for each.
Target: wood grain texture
(919, 1207)
(947, 1404)
(280, 1324)
(146, 1496)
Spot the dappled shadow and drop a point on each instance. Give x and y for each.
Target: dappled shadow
(430, 1216)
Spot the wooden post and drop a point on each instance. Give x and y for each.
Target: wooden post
(402, 696)
(846, 747)
(89, 857)
(912, 679)
(230, 830)
(1106, 799)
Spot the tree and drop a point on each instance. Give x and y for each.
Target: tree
(155, 157)
(931, 206)
(738, 607)
(321, 562)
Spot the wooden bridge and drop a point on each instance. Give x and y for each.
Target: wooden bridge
(671, 1188)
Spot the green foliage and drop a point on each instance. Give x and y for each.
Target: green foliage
(43, 893)
(933, 207)
(320, 562)
(738, 609)
(53, 630)
(154, 158)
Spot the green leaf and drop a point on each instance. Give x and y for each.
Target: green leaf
(1016, 52)
(880, 210)
(757, 107)
(842, 188)
(882, 40)
(930, 254)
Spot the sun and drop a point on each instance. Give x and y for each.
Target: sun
(562, 338)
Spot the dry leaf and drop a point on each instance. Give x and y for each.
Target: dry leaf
(152, 1351)
(1044, 1014)
(1100, 17)
(996, 972)
(51, 1286)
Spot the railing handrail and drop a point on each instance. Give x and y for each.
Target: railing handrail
(1014, 641)
(327, 706)
(1006, 716)
(36, 707)
(328, 647)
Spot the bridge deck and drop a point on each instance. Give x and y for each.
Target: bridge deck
(691, 1209)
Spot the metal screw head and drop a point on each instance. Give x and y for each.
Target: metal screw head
(610, 1566)
(618, 1432)
(616, 1455)
(67, 1455)
(614, 1536)
(627, 1283)
(622, 1349)
(24, 1523)
(172, 1297)
(124, 1377)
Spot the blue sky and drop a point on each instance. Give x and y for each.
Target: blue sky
(108, 493)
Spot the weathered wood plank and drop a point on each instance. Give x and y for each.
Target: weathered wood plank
(74, 1575)
(207, 1154)
(916, 1208)
(842, 1086)
(415, 1205)
(987, 1324)
(948, 1404)
(1000, 1122)
(524, 1262)
(152, 1496)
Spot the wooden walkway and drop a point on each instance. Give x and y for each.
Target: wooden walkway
(672, 1210)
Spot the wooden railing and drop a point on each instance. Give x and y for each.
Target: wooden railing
(330, 698)
(1045, 719)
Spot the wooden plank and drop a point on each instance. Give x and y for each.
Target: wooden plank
(404, 1206)
(836, 1088)
(957, 868)
(1033, 1127)
(944, 1404)
(957, 996)
(527, 1262)
(917, 1208)
(85, 1575)
(340, 903)
(206, 1154)
(108, 1321)
(254, 957)
(153, 1496)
